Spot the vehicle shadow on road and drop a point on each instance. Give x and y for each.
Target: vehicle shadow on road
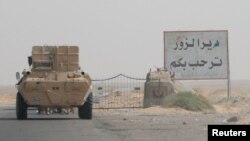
(53, 119)
(6, 118)
(9, 109)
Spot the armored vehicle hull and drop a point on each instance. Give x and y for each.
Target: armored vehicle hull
(38, 91)
(158, 85)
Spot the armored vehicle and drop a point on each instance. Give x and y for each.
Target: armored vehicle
(157, 86)
(54, 80)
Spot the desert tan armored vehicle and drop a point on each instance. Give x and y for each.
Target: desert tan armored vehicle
(158, 85)
(54, 81)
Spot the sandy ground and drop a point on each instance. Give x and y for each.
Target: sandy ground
(168, 123)
(214, 91)
(7, 95)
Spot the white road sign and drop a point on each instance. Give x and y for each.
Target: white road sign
(197, 54)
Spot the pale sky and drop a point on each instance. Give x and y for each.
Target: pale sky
(117, 36)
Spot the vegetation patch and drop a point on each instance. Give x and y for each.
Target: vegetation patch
(189, 101)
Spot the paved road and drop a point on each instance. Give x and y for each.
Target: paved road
(122, 125)
(51, 128)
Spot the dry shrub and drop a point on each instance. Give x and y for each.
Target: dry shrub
(188, 101)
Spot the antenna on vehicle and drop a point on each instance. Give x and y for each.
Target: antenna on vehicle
(30, 60)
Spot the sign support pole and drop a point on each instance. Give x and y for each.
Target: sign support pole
(228, 73)
(228, 88)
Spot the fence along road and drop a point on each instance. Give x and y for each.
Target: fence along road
(118, 92)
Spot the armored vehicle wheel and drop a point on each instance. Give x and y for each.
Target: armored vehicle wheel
(85, 111)
(21, 107)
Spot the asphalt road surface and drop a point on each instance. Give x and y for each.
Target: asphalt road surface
(51, 128)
